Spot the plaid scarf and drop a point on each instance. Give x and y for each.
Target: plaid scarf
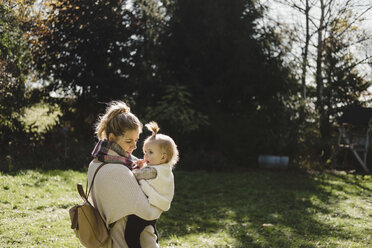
(110, 152)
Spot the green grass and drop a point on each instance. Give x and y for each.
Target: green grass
(254, 208)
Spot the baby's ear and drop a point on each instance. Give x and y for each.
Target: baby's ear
(164, 157)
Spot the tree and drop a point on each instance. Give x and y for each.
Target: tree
(14, 69)
(175, 111)
(344, 84)
(331, 30)
(92, 50)
(14, 58)
(85, 47)
(233, 70)
(336, 66)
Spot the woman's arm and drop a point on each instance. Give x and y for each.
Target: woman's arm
(116, 194)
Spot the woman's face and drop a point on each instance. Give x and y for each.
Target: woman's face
(128, 141)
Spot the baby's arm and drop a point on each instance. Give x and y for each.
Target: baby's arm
(155, 198)
(147, 172)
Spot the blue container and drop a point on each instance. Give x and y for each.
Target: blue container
(273, 162)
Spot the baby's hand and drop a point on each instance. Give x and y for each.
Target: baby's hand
(141, 163)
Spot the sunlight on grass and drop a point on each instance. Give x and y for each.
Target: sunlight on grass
(34, 209)
(249, 209)
(218, 239)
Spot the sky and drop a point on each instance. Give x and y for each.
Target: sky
(284, 12)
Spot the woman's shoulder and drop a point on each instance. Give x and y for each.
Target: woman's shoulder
(112, 176)
(108, 169)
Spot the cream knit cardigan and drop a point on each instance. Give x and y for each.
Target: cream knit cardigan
(160, 190)
(116, 194)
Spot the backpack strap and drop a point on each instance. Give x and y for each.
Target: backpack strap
(80, 189)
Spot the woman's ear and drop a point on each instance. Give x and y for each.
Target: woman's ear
(111, 137)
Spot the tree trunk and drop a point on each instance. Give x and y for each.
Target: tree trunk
(323, 117)
(305, 50)
(318, 76)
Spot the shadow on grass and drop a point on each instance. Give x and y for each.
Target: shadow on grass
(256, 208)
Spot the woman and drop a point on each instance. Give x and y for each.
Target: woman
(115, 191)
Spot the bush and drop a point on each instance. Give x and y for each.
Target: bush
(57, 149)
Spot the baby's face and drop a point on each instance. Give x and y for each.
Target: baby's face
(153, 154)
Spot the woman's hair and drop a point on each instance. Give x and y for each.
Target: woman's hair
(165, 143)
(117, 120)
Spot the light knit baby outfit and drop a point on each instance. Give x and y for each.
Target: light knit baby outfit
(157, 182)
(159, 190)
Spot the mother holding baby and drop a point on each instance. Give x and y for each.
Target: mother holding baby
(115, 191)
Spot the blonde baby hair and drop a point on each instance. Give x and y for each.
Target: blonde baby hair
(116, 120)
(165, 143)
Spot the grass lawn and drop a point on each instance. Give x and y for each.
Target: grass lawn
(254, 208)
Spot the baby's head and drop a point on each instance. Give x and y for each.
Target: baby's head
(159, 148)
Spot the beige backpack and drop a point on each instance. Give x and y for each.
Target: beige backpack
(86, 221)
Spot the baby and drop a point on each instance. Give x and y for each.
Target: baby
(155, 178)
